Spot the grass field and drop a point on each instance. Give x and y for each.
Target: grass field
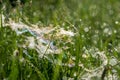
(86, 34)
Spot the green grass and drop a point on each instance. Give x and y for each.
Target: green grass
(96, 24)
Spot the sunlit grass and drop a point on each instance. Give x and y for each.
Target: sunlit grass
(86, 32)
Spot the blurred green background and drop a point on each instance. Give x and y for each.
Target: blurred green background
(95, 22)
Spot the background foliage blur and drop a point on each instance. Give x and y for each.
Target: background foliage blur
(95, 23)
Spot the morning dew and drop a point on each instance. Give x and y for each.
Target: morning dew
(86, 29)
(116, 22)
(107, 31)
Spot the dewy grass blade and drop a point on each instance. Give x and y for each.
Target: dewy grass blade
(0, 19)
(41, 76)
(96, 29)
